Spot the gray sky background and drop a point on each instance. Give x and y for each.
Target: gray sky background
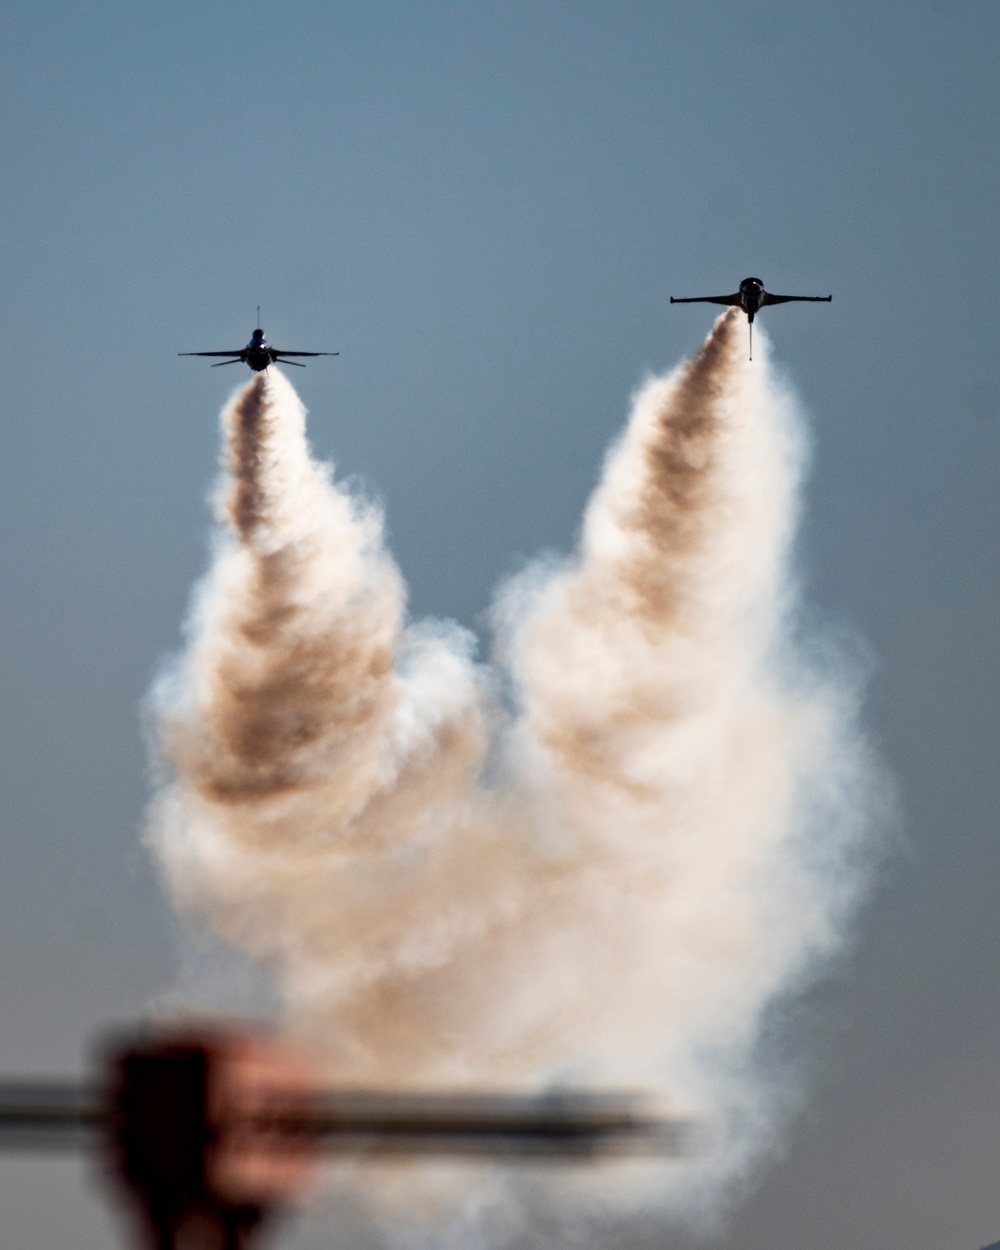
(485, 207)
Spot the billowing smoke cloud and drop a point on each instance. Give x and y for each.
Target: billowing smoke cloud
(598, 861)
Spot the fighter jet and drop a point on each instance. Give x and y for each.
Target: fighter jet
(751, 297)
(258, 353)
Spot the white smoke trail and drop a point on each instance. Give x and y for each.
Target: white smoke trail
(609, 887)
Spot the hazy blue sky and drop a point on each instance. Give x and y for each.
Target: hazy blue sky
(485, 207)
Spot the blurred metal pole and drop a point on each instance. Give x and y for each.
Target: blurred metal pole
(205, 1131)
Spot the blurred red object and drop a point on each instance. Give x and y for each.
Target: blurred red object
(201, 1136)
(208, 1129)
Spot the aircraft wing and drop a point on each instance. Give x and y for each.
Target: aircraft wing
(278, 352)
(708, 299)
(787, 299)
(237, 353)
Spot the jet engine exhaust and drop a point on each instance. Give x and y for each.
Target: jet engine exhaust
(607, 884)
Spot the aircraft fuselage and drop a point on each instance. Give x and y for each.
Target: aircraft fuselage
(751, 296)
(257, 354)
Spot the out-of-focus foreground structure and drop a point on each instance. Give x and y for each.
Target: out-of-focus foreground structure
(204, 1133)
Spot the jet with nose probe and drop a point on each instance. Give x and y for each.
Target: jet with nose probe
(258, 353)
(751, 298)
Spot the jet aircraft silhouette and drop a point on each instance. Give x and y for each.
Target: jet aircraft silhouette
(258, 353)
(752, 297)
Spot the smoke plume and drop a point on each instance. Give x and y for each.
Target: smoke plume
(598, 861)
